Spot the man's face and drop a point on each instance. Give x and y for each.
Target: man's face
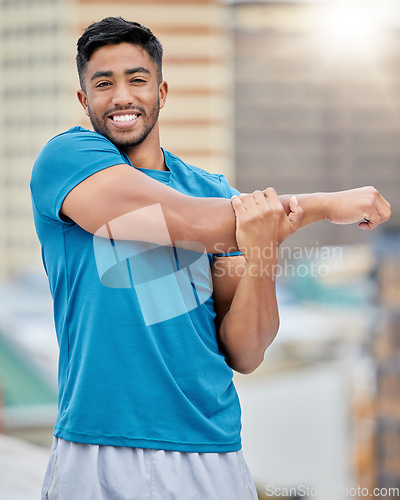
(122, 96)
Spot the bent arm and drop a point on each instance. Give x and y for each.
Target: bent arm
(246, 308)
(245, 299)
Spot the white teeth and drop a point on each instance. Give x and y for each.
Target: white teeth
(124, 118)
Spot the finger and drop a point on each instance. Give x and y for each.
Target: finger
(386, 203)
(249, 202)
(370, 222)
(365, 225)
(383, 209)
(259, 198)
(379, 210)
(272, 196)
(296, 213)
(238, 206)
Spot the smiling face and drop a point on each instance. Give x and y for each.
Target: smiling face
(122, 95)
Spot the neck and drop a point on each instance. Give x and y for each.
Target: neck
(148, 154)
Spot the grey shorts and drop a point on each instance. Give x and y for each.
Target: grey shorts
(92, 472)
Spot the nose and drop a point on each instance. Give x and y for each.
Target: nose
(122, 95)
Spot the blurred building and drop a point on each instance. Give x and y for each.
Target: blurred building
(22, 468)
(317, 108)
(257, 85)
(37, 96)
(35, 54)
(387, 355)
(28, 360)
(287, 91)
(308, 411)
(28, 403)
(317, 101)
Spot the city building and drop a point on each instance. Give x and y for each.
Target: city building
(284, 94)
(37, 62)
(317, 104)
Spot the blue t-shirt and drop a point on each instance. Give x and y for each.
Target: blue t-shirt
(139, 364)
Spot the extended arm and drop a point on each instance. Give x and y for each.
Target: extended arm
(120, 190)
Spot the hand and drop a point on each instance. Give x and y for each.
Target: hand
(261, 221)
(364, 204)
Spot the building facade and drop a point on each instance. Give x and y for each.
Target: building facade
(317, 104)
(257, 92)
(37, 61)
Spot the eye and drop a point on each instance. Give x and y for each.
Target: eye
(102, 84)
(138, 80)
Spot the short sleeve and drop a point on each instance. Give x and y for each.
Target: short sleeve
(229, 191)
(66, 161)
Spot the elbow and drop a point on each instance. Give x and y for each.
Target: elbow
(245, 367)
(246, 370)
(247, 363)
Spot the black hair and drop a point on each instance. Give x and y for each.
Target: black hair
(115, 30)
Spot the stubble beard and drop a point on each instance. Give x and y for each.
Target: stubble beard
(100, 125)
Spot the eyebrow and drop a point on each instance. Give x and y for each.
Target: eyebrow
(139, 69)
(131, 71)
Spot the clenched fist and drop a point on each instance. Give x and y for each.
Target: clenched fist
(363, 204)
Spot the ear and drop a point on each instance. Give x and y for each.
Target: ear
(83, 100)
(163, 92)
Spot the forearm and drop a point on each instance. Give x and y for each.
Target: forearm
(315, 206)
(208, 221)
(252, 321)
(110, 203)
(364, 205)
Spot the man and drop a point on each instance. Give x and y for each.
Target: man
(147, 407)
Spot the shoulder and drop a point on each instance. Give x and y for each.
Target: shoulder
(74, 147)
(73, 155)
(77, 138)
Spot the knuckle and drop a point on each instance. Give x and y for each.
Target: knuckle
(373, 191)
(270, 191)
(370, 198)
